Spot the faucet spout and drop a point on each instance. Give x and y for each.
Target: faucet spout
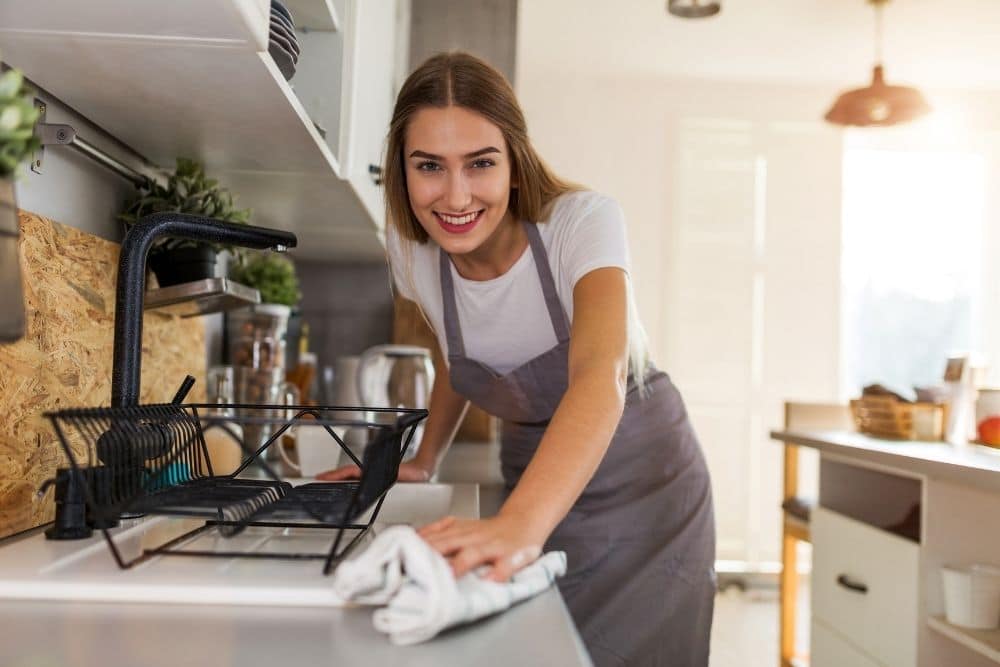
(131, 288)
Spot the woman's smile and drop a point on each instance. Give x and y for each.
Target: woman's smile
(459, 223)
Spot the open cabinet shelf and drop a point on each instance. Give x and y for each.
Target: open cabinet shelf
(983, 642)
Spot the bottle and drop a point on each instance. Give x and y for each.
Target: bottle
(222, 437)
(303, 375)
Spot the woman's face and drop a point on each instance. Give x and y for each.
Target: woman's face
(458, 178)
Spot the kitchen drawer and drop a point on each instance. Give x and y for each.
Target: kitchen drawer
(864, 586)
(828, 649)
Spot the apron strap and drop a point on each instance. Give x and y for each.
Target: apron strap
(552, 302)
(453, 331)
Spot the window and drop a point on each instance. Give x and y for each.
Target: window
(913, 287)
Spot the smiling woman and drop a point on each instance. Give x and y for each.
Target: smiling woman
(462, 199)
(524, 280)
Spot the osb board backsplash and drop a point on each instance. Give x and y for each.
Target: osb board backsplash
(64, 360)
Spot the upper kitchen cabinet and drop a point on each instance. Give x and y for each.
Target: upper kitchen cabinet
(194, 78)
(370, 99)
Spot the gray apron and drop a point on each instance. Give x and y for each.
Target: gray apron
(640, 539)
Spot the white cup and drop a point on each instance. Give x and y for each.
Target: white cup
(972, 595)
(317, 450)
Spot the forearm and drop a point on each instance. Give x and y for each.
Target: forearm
(570, 451)
(446, 410)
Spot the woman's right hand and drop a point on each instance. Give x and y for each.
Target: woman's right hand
(409, 471)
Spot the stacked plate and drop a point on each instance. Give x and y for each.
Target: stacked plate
(283, 45)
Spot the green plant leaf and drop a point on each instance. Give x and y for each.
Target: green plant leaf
(273, 275)
(10, 84)
(189, 191)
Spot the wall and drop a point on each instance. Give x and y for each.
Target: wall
(72, 188)
(348, 307)
(64, 360)
(486, 28)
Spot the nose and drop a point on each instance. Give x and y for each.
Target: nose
(459, 195)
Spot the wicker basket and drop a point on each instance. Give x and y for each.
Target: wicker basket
(887, 417)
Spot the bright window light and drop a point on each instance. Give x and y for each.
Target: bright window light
(911, 273)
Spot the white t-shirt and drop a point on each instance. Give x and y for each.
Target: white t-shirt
(504, 320)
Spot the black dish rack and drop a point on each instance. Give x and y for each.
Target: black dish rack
(153, 459)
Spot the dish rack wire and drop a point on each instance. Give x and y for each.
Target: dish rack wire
(153, 460)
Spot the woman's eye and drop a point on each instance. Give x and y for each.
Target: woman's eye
(483, 163)
(428, 166)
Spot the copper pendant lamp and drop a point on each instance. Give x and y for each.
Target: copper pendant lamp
(692, 9)
(878, 104)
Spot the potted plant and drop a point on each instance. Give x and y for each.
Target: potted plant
(188, 190)
(17, 141)
(272, 274)
(257, 334)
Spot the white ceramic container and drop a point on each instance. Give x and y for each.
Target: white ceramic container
(972, 595)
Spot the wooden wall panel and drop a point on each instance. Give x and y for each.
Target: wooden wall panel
(64, 360)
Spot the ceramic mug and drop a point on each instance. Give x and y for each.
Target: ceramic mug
(316, 449)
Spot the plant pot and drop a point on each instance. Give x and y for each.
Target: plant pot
(11, 295)
(182, 265)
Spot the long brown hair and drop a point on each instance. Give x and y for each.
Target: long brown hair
(461, 79)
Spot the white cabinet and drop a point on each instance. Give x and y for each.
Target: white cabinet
(865, 584)
(372, 94)
(216, 22)
(828, 649)
(193, 78)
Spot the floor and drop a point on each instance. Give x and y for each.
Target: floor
(745, 628)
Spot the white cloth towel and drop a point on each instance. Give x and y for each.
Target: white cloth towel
(421, 596)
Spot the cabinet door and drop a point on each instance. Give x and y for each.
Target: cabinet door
(371, 34)
(827, 649)
(864, 586)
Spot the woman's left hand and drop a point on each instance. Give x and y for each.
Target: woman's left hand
(501, 543)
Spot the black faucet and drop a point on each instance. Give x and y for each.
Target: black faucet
(131, 288)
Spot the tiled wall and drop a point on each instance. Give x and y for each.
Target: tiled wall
(348, 307)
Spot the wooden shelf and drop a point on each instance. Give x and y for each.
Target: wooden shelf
(983, 642)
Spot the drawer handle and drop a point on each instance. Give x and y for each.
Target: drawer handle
(851, 585)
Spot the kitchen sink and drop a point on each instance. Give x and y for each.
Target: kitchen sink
(418, 504)
(32, 567)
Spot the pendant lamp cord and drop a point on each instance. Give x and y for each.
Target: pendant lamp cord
(878, 31)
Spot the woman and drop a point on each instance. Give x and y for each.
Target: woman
(523, 278)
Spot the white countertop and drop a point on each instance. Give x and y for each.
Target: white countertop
(36, 634)
(236, 626)
(967, 464)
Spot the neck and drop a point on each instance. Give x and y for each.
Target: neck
(496, 255)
